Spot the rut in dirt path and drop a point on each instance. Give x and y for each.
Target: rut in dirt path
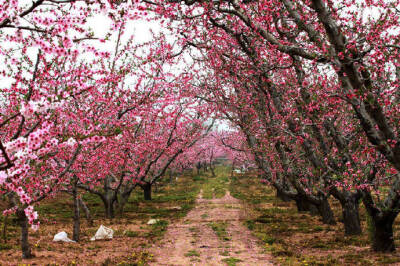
(193, 241)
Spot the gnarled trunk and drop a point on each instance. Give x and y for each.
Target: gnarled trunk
(304, 205)
(351, 217)
(350, 210)
(23, 223)
(122, 202)
(325, 211)
(282, 196)
(4, 231)
(212, 170)
(147, 191)
(382, 219)
(108, 206)
(77, 223)
(198, 167)
(382, 233)
(87, 212)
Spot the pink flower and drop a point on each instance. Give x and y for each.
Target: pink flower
(3, 177)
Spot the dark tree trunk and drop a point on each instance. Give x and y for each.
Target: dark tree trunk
(382, 233)
(212, 171)
(304, 205)
(301, 204)
(351, 217)
(23, 223)
(198, 166)
(147, 191)
(282, 196)
(313, 210)
(108, 198)
(109, 207)
(4, 231)
(382, 220)
(350, 210)
(110, 210)
(325, 211)
(77, 223)
(87, 212)
(123, 200)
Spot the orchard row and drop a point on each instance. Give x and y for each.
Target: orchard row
(310, 90)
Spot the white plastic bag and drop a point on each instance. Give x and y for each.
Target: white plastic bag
(103, 233)
(62, 236)
(152, 221)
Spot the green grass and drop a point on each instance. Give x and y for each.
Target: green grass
(5, 246)
(131, 233)
(215, 187)
(204, 216)
(220, 230)
(283, 231)
(192, 253)
(158, 229)
(171, 201)
(231, 261)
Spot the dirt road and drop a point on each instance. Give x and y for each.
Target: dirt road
(211, 234)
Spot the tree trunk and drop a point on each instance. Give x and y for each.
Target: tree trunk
(108, 207)
(77, 223)
(147, 191)
(23, 222)
(325, 211)
(212, 171)
(108, 198)
(351, 217)
(382, 233)
(121, 204)
(198, 166)
(4, 231)
(304, 205)
(282, 196)
(87, 212)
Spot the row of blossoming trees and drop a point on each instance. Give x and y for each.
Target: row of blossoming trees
(313, 88)
(79, 112)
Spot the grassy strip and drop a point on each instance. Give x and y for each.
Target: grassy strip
(171, 201)
(215, 187)
(301, 239)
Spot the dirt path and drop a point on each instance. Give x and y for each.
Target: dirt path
(194, 242)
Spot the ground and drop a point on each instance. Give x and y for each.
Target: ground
(295, 238)
(211, 234)
(202, 220)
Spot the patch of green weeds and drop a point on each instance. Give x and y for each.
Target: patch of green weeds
(192, 253)
(158, 229)
(250, 224)
(220, 230)
(5, 246)
(131, 233)
(231, 261)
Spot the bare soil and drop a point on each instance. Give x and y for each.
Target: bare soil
(85, 252)
(192, 241)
